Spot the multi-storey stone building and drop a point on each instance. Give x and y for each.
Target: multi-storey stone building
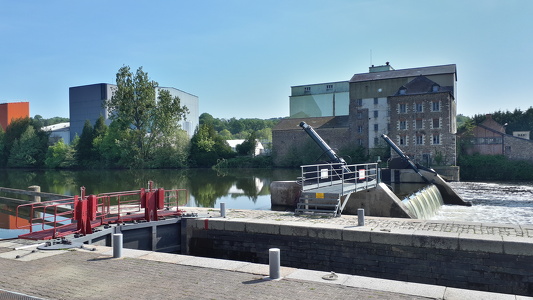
(422, 121)
(374, 109)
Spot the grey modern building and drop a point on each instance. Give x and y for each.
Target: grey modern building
(87, 103)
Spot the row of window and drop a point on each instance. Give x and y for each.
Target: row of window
(307, 89)
(419, 139)
(402, 107)
(402, 125)
(419, 124)
(418, 107)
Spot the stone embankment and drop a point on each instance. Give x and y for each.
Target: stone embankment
(487, 257)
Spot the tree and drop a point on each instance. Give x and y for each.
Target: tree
(146, 118)
(207, 147)
(25, 150)
(248, 146)
(84, 147)
(59, 155)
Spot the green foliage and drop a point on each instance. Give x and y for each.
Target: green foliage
(173, 153)
(248, 146)
(146, 122)
(516, 120)
(240, 128)
(23, 145)
(39, 121)
(59, 155)
(355, 155)
(25, 150)
(84, 147)
(207, 147)
(494, 167)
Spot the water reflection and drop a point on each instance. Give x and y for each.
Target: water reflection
(243, 188)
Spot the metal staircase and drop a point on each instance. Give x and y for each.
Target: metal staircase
(319, 203)
(326, 188)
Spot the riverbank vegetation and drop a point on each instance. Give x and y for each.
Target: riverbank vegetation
(144, 133)
(494, 167)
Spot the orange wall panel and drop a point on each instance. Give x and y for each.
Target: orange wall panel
(13, 111)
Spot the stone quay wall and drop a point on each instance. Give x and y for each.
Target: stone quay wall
(494, 261)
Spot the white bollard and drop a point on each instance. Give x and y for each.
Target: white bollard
(361, 217)
(223, 209)
(274, 263)
(117, 245)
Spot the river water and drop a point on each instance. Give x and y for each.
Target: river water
(508, 203)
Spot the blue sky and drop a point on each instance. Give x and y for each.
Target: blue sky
(241, 57)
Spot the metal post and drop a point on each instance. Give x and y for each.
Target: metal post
(117, 245)
(274, 263)
(223, 209)
(361, 217)
(35, 188)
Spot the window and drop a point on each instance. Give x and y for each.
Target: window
(376, 141)
(435, 106)
(359, 129)
(307, 89)
(359, 115)
(359, 102)
(436, 139)
(376, 101)
(419, 139)
(403, 108)
(376, 127)
(329, 87)
(402, 140)
(376, 114)
(403, 91)
(419, 107)
(418, 123)
(403, 125)
(360, 142)
(435, 88)
(436, 123)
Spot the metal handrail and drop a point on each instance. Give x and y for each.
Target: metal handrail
(315, 176)
(54, 215)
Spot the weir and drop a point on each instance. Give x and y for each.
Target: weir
(425, 202)
(376, 198)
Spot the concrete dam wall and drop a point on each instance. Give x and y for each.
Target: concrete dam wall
(480, 262)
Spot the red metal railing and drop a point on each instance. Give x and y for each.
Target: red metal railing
(81, 214)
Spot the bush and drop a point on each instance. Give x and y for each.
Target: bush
(494, 167)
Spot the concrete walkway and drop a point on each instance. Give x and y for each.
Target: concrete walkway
(92, 273)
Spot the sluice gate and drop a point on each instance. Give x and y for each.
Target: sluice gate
(80, 214)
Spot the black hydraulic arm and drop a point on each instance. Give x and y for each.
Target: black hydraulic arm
(403, 156)
(334, 158)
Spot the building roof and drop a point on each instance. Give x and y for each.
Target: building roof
(320, 122)
(55, 127)
(422, 85)
(434, 70)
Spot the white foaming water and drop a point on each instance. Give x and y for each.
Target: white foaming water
(503, 203)
(424, 203)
